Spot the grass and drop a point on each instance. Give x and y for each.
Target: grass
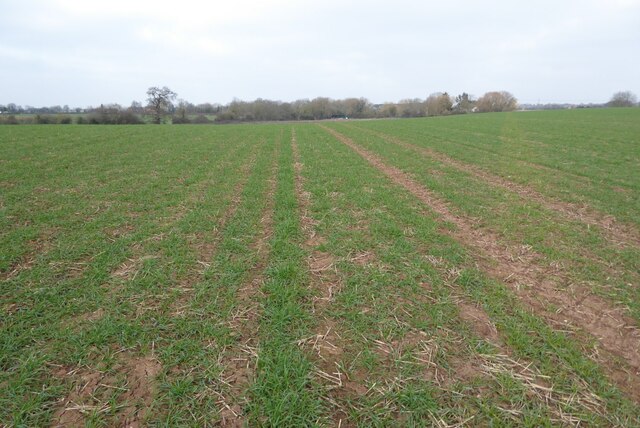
(269, 275)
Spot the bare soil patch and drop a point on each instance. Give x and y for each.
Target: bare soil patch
(131, 383)
(479, 320)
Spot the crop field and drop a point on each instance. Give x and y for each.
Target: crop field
(467, 270)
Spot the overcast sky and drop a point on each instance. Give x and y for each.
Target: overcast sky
(83, 52)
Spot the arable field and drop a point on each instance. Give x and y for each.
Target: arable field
(456, 271)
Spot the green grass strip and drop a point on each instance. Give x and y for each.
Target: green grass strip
(284, 393)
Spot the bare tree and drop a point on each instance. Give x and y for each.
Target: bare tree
(497, 101)
(623, 99)
(320, 108)
(438, 104)
(136, 107)
(411, 107)
(463, 103)
(181, 116)
(159, 100)
(388, 110)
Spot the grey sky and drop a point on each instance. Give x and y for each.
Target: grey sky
(82, 52)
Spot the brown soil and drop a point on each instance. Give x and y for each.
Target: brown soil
(93, 390)
(539, 286)
(616, 232)
(479, 321)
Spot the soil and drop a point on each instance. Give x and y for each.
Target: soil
(93, 388)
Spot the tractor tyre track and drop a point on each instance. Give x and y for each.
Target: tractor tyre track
(616, 232)
(536, 285)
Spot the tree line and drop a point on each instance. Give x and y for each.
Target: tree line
(163, 106)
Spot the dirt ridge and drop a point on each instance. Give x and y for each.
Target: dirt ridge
(538, 286)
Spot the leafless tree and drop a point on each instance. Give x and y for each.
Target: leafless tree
(623, 99)
(497, 101)
(463, 103)
(411, 108)
(438, 104)
(159, 100)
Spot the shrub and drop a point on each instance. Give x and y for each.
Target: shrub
(179, 120)
(10, 120)
(496, 101)
(44, 119)
(226, 116)
(201, 119)
(128, 117)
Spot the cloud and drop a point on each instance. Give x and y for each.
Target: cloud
(179, 41)
(213, 50)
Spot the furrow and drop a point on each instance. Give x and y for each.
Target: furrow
(325, 342)
(239, 360)
(205, 251)
(537, 286)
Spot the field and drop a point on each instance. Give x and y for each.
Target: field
(467, 270)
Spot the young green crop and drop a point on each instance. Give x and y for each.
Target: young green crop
(270, 275)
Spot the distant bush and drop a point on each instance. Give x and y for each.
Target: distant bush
(44, 119)
(496, 101)
(112, 117)
(226, 116)
(623, 99)
(201, 119)
(65, 120)
(180, 120)
(81, 120)
(127, 117)
(9, 120)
